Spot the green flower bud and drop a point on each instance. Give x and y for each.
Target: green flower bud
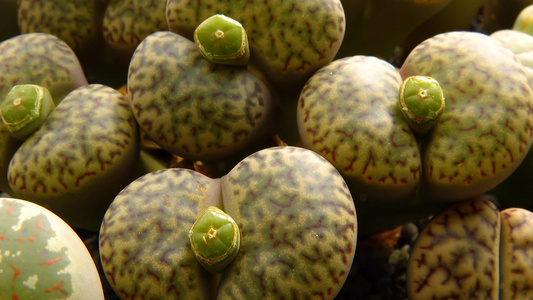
(222, 40)
(421, 101)
(215, 239)
(25, 109)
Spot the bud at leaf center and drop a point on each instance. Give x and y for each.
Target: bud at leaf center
(215, 239)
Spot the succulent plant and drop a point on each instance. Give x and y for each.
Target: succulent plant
(294, 211)
(76, 22)
(289, 40)
(486, 129)
(421, 102)
(25, 109)
(456, 254)
(194, 108)
(520, 43)
(516, 268)
(471, 251)
(127, 23)
(34, 58)
(222, 40)
(215, 239)
(80, 158)
(524, 20)
(42, 59)
(42, 257)
(348, 113)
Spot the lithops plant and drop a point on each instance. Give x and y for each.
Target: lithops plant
(192, 107)
(78, 23)
(520, 43)
(25, 109)
(524, 20)
(42, 59)
(473, 251)
(516, 254)
(34, 58)
(457, 254)
(421, 102)
(215, 239)
(348, 113)
(295, 215)
(289, 40)
(80, 158)
(42, 257)
(222, 40)
(127, 23)
(486, 129)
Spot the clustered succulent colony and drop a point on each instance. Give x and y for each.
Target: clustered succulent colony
(237, 149)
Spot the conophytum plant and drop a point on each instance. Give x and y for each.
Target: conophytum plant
(472, 250)
(421, 101)
(222, 40)
(348, 112)
(215, 239)
(295, 214)
(25, 109)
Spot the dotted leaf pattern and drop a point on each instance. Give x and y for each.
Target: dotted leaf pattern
(191, 107)
(516, 254)
(297, 220)
(289, 40)
(486, 129)
(473, 251)
(42, 59)
(298, 226)
(127, 23)
(144, 238)
(456, 255)
(80, 158)
(348, 113)
(51, 16)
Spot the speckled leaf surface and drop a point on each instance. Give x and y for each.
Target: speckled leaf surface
(294, 210)
(74, 21)
(487, 127)
(516, 41)
(191, 107)
(348, 113)
(289, 40)
(39, 58)
(127, 23)
(80, 158)
(520, 43)
(516, 254)
(41, 257)
(457, 254)
(144, 238)
(298, 226)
